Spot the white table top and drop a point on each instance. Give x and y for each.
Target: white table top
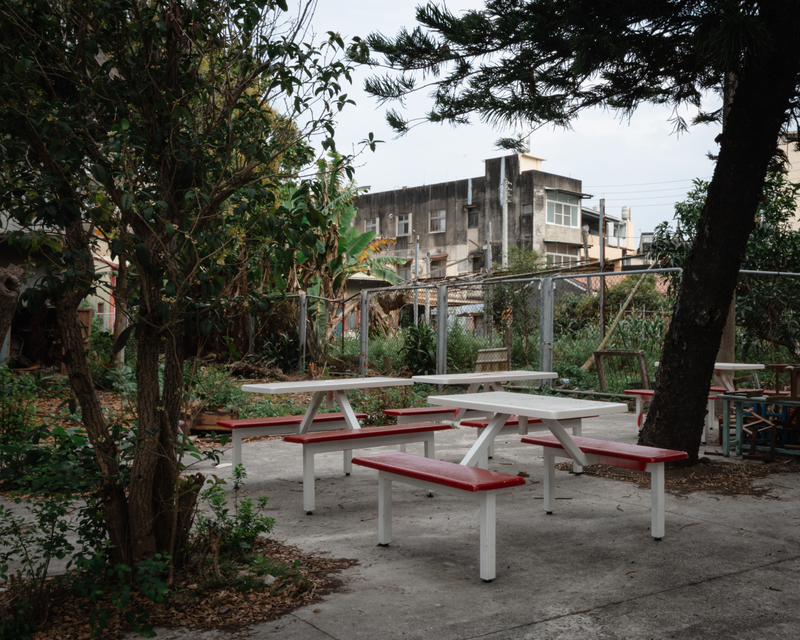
(485, 376)
(531, 406)
(341, 384)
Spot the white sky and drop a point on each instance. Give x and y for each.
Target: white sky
(640, 163)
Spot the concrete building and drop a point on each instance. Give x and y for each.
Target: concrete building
(515, 204)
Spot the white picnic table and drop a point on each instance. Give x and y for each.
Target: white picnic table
(330, 389)
(723, 372)
(550, 409)
(485, 380)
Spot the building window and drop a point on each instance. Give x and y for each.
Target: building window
(559, 254)
(562, 209)
(477, 263)
(527, 209)
(438, 221)
(472, 217)
(404, 224)
(372, 225)
(438, 268)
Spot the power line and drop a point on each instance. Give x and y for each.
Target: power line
(642, 184)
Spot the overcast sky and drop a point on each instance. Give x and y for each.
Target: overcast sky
(640, 164)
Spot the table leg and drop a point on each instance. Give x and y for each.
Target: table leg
(568, 443)
(347, 411)
(461, 413)
(352, 423)
(639, 411)
(313, 407)
(709, 420)
(739, 427)
(725, 428)
(481, 446)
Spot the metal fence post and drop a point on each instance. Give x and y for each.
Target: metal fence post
(302, 330)
(364, 342)
(546, 326)
(441, 331)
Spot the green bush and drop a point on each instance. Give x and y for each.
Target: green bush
(419, 349)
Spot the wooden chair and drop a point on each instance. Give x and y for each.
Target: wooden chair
(637, 355)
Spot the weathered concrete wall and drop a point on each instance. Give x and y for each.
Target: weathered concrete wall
(457, 241)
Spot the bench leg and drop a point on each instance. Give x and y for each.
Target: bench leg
(347, 461)
(549, 479)
(308, 480)
(402, 448)
(429, 447)
(384, 509)
(237, 447)
(488, 535)
(577, 430)
(657, 500)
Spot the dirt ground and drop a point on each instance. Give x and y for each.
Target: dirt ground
(712, 476)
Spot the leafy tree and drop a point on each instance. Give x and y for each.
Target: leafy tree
(765, 307)
(166, 129)
(540, 62)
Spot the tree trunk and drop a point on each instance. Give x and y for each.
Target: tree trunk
(121, 294)
(10, 283)
(675, 420)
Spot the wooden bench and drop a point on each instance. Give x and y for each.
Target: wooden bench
(493, 360)
(646, 395)
(448, 477)
(279, 426)
(513, 426)
(349, 439)
(616, 454)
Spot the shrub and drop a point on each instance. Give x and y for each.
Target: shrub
(419, 349)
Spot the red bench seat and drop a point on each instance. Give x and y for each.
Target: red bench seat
(415, 414)
(348, 439)
(616, 454)
(448, 477)
(278, 426)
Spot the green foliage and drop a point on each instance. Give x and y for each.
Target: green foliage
(17, 393)
(765, 309)
(419, 348)
(215, 387)
(232, 533)
(462, 349)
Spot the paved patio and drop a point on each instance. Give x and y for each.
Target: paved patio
(728, 567)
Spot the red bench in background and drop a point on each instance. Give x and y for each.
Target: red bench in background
(616, 454)
(348, 439)
(279, 426)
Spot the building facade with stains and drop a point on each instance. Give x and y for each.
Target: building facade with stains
(515, 204)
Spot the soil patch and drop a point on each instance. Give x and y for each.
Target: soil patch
(191, 607)
(711, 476)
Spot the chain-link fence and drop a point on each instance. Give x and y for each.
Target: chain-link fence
(620, 311)
(552, 323)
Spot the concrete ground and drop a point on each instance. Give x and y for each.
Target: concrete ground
(728, 567)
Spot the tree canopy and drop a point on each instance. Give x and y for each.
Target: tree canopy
(537, 62)
(164, 131)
